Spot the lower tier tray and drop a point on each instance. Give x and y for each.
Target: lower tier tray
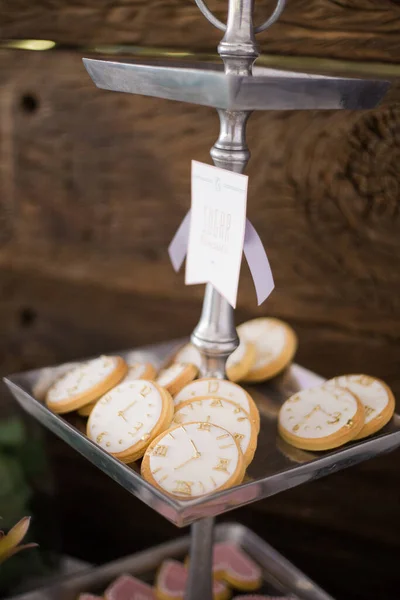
(276, 467)
(279, 575)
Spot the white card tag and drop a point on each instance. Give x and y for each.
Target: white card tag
(217, 228)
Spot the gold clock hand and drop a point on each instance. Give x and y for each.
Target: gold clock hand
(121, 413)
(197, 455)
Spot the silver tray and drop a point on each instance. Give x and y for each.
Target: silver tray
(280, 576)
(276, 467)
(207, 84)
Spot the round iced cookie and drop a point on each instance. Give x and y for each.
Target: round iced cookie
(376, 397)
(241, 361)
(188, 354)
(138, 370)
(175, 377)
(85, 383)
(226, 414)
(321, 418)
(275, 343)
(223, 389)
(129, 417)
(193, 460)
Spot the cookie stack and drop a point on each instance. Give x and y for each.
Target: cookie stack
(233, 569)
(346, 408)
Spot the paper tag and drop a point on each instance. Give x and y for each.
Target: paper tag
(217, 228)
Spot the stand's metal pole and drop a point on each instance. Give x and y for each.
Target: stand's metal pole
(215, 335)
(199, 586)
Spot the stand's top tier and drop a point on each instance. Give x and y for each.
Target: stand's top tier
(208, 85)
(234, 84)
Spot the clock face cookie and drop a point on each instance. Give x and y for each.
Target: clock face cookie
(188, 354)
(193, 460)
(375, 396)
(241, 361)
(85, 383)
(321, 418)
(226, 414)
(275, 343)
(212, 387)
(175, 377)
(139, 370)
(129, 417)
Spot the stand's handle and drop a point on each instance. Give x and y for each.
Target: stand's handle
(220, 25)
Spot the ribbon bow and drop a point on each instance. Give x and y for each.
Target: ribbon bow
(253, 250)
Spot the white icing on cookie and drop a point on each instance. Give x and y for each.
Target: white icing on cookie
(269, 338)
(219, 412)
(372, 394)
(167, 376)
(82, 378)
(238, 355)
(188, 354)
(317, 412)
(194, 460)
(125, 415)
(135, 371)
(214, 387)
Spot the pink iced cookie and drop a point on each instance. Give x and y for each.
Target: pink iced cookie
(127, 587)
(232, 565)
(171, 582)
(88, 597)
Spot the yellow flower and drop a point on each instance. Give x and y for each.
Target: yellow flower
(9, 543)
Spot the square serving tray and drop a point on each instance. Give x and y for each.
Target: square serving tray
(276, 467)
(280, 576)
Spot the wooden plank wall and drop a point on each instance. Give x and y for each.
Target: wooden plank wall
(92, 188)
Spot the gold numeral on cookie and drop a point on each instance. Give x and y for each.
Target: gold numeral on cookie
(136, 428)
(183, 487)
(160, 450)
(100, 437)
(335, 418)
(215, 403)
(222, 465)
(145, 391)
(204, 426)
(368, 410)
(213, 387)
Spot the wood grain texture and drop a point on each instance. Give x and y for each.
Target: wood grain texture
(352, 29)
(93, 186)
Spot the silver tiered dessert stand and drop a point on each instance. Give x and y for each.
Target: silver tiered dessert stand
(235, 88)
